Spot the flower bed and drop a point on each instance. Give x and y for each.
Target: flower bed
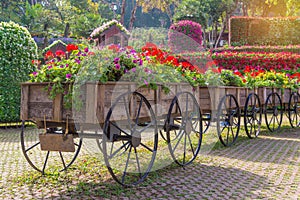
(268, 61)
(270, 49)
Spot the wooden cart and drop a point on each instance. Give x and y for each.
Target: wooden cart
(226, 105)
(122, 117)
(125, 120)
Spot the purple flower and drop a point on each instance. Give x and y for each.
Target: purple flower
(68, 76)
(86, 50)
(34, 73)
(61, 66)
(141, 62)
(67, 65)
(49, 67)
(77, 60)
(133, 69)
(116, 60)
(134, 61)
(118, 66)
(146, 83)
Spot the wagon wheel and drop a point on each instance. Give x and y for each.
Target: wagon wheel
(206, 118)
(252, 115)
(184, 128)
(130, 144)
(228, 120)
(45, 161)
(294, 110)
(273, 112)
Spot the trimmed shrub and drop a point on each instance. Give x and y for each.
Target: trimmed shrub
(264, 31)
(185, 36)
(17, 50)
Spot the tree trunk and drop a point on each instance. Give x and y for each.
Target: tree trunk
(123, 11)
(67, 30)
(221, 32)
(45, 35)
(132, 18)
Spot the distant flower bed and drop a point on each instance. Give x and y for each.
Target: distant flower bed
(268, 61)
(272, 49)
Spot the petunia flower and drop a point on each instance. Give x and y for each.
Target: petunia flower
(68, 76)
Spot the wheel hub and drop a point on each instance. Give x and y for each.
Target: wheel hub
(136, 139)
(275, 111)
(188, 127)
(230, 120)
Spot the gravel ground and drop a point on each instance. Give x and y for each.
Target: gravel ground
(264, 168)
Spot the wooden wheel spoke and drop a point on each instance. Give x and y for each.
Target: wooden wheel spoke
(33, 146)
(137, 162)
(62, 159)
(127, 112)
(45, 163)
(139, 111)
(191, 145)
(146, 127)
(118, 150)
(146, 147)
(179, 139)
(120, 129)
(126, 165)
(227, 136)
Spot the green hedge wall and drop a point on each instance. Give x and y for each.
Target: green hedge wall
(17, 50)
(264, 31)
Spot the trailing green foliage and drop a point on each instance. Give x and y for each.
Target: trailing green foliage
(17, 50)
(264, 31)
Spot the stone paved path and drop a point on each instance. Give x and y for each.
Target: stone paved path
(264, 168)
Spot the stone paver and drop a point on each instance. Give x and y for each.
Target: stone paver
(264, 168)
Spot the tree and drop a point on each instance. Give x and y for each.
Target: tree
(163, 5)
(213, 15)
(270, 7)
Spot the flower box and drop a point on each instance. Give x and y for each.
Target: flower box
(37, 106)
(210, 97)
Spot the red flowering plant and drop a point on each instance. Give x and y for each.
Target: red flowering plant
(180, 66)
(258, 77)
(239, 60)
(60, 68)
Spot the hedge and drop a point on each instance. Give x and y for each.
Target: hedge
(264, 31)
(17, 50)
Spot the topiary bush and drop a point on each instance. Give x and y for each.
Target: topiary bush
(185, 36)
(17, 50)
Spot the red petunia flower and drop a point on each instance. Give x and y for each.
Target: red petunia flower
(49, 55)
(60, 53)
(71, 47)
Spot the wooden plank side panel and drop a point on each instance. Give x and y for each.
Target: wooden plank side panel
(286, 95)
(57, 107)
(24, 102)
